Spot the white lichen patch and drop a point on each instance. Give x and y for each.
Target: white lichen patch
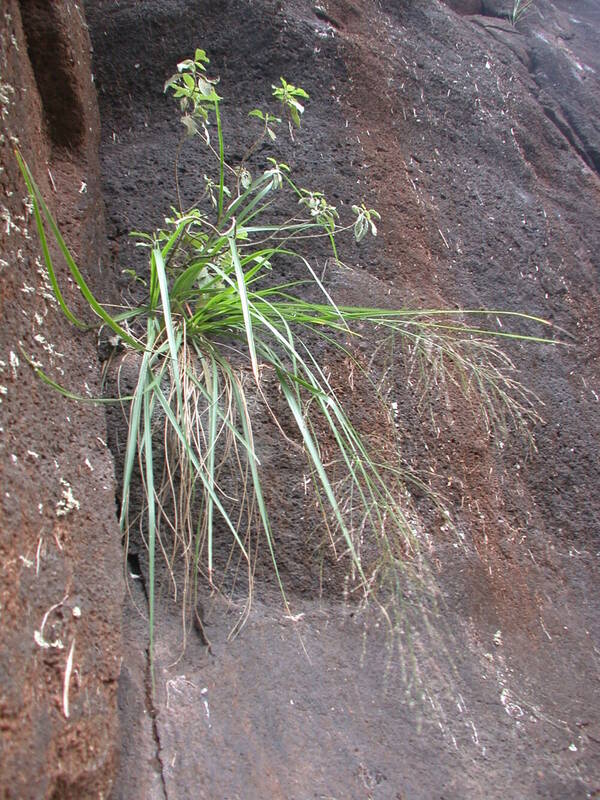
(7, 219)
(512, 708)
(68, 502)
(35, 363)
(7, 93)
(395, 413)
(14, 363)
(48, 346)
(46, 290)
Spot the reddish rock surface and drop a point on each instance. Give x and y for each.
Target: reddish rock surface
(60, 556)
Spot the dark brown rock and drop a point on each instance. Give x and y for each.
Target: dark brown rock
(465, 6)
(478, 143)
(489, 197)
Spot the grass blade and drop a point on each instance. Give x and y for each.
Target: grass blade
(39, 203)
(243, 296)
(315, 458)
(151, 511)
(200, 470)
(172, 337)
(212, 384)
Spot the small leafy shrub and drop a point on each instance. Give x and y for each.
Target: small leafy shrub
(218, 333)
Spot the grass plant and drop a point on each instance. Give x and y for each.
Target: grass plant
(217, 332)
(519, 10)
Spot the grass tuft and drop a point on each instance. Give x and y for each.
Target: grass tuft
(221, 340)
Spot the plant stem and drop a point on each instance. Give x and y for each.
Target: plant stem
(177, 154)
(221, 160)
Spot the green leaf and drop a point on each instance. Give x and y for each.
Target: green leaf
(201, 58)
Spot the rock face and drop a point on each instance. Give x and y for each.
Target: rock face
(60, 555)
(478, 142)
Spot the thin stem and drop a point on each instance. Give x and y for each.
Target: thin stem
(177, 154)
(221, 160)
(255, 144)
